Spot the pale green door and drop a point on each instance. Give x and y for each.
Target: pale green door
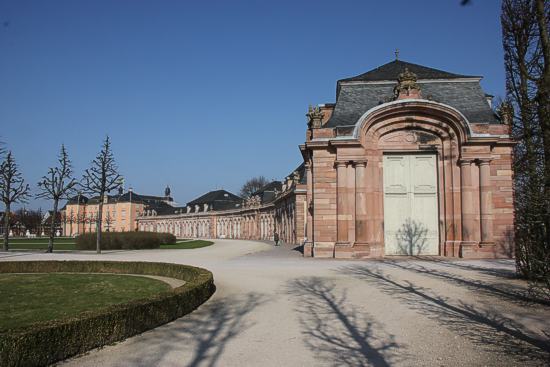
(410, 205)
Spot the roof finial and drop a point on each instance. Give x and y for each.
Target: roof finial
(396, 54)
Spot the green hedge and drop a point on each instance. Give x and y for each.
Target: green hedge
(48, 342)
(124, 240)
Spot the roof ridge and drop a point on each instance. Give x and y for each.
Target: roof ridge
(392, 69)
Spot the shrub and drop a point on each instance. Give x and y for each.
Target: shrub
(166, 238)
(124, 240)
(48, 342)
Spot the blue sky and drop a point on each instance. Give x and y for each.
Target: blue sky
(202, 95)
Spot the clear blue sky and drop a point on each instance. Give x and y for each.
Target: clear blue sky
(205, 94)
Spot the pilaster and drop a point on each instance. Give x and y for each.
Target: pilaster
(341, 197)
(486, 201)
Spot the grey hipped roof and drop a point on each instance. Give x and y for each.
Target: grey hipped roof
(218, 200)
(268, 192)
(358, 94)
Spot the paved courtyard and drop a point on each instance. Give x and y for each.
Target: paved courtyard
(274, 308)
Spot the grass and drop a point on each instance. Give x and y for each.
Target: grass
(60, 243)
(30, 298)
(67, 243)
(187, 245)
(38, 240)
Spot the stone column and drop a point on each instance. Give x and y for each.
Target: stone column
(486, 200)
(341, 200)
(360, 202)
(467, 193)
(309, 215)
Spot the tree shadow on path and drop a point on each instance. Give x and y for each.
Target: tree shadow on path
(204, 333)
(506, 292)
(487, 329)
(336, 331)
(487, 270)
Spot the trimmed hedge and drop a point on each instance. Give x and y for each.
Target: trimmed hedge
(124, 240)
(48, 342)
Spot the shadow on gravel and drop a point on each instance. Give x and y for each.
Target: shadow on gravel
(492, 271)
(336, 331)
(507, 292)
(204, 333)
(486, 329)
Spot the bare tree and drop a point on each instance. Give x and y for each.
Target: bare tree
(253, 185)
(70, 219)
(57, 185)
(109, 220)
(526, 46)
(13, 189)
(81, 219)
(100, 179)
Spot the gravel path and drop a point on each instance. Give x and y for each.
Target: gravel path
(274, 308)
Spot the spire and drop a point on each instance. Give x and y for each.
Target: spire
(396, 54)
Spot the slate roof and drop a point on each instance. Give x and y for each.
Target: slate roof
(157, 203)
(137, 198)
(358, 94)
(78, 198)
(267, 193)
(217, 200)
(161, 208)
(391, 71)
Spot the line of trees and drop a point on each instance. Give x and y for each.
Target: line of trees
(59, 184)
(526, 44)
(24, 219)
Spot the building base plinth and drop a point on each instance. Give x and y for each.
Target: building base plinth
(308, 249)
(323, 250)
(474, 250)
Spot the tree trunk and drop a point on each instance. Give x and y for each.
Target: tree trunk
(98, 224)
(52, 226)
(6, 227)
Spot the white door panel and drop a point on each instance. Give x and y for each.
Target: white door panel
(410, 205)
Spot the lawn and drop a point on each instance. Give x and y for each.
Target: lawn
(187, 245)
(30, 298)
(61, 243)
(39, 240)
(67, 243)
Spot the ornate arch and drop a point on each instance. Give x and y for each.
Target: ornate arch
(415, 113)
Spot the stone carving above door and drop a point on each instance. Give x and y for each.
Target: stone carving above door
(409, 137)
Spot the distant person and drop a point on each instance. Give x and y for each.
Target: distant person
(276, 238)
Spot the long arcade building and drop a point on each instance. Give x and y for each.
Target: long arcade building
(409, 160)
(277, 207)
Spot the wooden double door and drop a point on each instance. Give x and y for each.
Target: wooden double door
(410, 204)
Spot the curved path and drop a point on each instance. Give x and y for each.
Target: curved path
(274, 308)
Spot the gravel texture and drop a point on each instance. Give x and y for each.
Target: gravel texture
(274, 308)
